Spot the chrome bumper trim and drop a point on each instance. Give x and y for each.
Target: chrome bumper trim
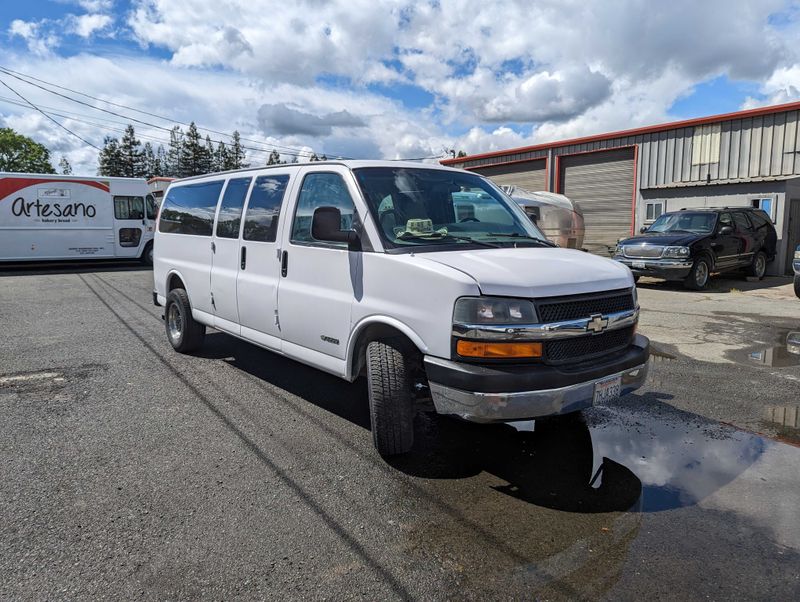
(657, 264)
(499, 407)
(544, 332)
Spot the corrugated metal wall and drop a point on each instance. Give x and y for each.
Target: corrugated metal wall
(529, 175)
(602, 183)
(753, 148)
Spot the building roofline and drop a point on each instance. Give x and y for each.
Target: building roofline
(789, 106)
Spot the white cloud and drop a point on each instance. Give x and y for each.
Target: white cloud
(87, 25)
(38, 42)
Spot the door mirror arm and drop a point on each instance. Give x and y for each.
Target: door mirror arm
(326, 227)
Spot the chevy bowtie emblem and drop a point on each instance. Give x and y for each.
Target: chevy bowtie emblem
(596, 324)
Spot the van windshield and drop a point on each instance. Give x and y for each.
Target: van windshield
(701, 222)
(417, 207)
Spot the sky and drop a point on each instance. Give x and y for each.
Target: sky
(386, 79)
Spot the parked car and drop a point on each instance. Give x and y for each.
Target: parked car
(796, 268)
(560, 218)
(379, 269)
(690, 244)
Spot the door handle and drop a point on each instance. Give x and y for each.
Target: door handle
(244, 257)
(213, 247)
(284, 263)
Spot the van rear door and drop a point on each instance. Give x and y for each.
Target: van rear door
(130, 223)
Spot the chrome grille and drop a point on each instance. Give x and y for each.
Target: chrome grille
(583, 348)
(643, 251)
(560, 309)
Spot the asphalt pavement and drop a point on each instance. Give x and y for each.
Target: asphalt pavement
(132, 472)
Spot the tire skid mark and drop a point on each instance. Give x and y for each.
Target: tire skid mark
(251, 446)
(443, 506)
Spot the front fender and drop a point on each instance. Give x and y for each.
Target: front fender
(364, 323)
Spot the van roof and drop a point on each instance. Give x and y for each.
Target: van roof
(56, 176)
(352, 164)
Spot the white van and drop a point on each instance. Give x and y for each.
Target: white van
(46, 217)
(369, 268)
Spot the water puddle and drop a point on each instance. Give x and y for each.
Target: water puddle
(786, 353)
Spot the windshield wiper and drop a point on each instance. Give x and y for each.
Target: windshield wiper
(544, 243)
(450, 236)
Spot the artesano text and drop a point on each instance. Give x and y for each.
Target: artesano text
(36, 208)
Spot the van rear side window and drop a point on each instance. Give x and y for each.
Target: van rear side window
(261, 220)
(230, 208)
(128, 207)
(190, 209)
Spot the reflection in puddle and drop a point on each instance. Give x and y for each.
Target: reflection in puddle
(787, 353)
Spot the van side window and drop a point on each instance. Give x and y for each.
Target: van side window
(189, 209)
(321, 190)
(128, 207)
(230, 208)
(264, 208)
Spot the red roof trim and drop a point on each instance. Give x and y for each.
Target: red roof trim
(790, 106)
(9, 186)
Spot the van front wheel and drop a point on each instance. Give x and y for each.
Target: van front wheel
(391, 398)
(185, 334)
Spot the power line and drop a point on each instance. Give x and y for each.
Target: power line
(63, 127)
(24, 78)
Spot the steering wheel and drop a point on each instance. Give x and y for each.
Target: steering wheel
(469, 219)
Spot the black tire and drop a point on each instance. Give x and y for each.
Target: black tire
(184, 333)
(797, 285)
(698, 278)
(758, 268)
(147, 254)
(391, 397)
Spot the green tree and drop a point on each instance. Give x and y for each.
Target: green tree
(133, 163)
(194, 155)
(274, 158)
(152, 161)
(236, 155)
(110, 160)
(64, 166)
(172, 160)
(21, 154)
(161, 161)
(209, 157)
(221, 157)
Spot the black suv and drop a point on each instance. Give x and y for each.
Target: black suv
(691, 243)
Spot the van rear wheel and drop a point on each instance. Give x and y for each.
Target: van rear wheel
(147, 254)
(391, 397)
(185, 334)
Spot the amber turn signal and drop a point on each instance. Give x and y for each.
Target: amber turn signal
(498, 350)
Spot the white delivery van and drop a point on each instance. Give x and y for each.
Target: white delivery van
(46, 217)
(380, 269)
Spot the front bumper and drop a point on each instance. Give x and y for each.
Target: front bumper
(796, 267)
(498, 393)
(669, 269)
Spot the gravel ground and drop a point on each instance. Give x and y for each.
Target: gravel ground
(129, 471)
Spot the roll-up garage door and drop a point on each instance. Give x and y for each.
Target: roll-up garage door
(602, 184)
(528, 174)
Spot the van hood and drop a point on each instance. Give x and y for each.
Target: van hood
(536, 272)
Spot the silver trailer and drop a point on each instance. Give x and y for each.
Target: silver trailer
(559, 218)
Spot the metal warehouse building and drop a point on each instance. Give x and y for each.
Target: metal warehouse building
(625, 180)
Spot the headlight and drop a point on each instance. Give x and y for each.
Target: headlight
(618, 250)
(676, 252)
(493, 310)
(797, 254)
(472, 313)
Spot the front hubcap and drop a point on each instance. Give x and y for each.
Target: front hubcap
(701, 274)
(175, 322)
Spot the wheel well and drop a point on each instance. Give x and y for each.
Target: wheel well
(709, 257)
(376, 332)
(175, 281)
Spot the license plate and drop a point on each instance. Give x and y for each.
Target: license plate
(638, 265)
(607, 390)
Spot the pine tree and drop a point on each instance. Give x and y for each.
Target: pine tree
(274, 158)
(313, 157)
(236, 154)
(133, 161)
(209, 155)
(192, 160)
(221, 157)
(65, 167)
(172, 159)
(153, 165)
(161, 161)
(110, 161)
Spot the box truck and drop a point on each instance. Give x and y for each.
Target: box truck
(46, 217)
